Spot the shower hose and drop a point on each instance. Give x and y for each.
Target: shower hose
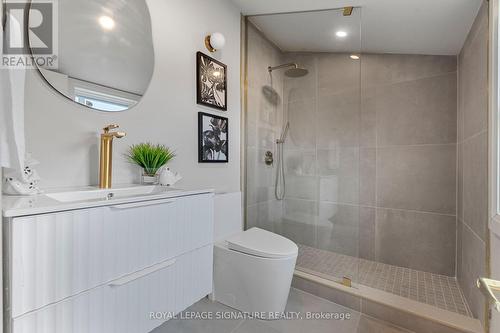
(280, 186)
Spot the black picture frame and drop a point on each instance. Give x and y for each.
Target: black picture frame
(211, 90)
(213, 138)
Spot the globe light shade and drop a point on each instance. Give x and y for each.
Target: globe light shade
(215, 41)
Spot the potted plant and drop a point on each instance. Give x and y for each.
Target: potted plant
(150, 158)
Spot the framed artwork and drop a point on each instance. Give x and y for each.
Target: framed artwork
(211, 82)
(213, 134)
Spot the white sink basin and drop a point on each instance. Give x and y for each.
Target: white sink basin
(93, 193)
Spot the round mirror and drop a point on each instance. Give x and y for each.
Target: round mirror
(104, 52)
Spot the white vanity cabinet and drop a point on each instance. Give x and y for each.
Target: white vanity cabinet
(106, 269)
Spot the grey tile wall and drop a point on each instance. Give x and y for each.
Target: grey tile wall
(302, 123)
(322, 153)
(473, 61)
(473, 266)
(472, 197)
(300, 162)
(409, 116)
(367, 230)
(417, 112)
(338, 173)
(403, 239)
(475, 183)
(373, 143)
(367, 178)
(338, 228)
(263, 120)
(338, 120)
(337, 74)
(386, 69)
(421, 178)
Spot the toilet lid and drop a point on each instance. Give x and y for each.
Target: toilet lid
(262, 243)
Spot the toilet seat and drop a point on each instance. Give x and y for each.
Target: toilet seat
(262, 243)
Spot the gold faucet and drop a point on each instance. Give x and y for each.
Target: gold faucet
(106, 157)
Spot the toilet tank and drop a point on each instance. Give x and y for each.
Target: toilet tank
(228, 218)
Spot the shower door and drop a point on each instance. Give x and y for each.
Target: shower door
(320, 202)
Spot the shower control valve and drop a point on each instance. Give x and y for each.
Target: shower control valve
(269, 159)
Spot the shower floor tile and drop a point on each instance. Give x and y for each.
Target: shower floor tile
(433, 289)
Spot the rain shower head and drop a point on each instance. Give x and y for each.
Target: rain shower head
(293, 70)
(296, 72)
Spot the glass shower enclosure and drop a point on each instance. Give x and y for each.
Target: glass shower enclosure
(351, 152)
(305, 148)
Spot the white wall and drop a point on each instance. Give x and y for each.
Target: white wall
(63, 136)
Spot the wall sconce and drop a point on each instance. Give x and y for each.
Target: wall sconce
(215, 41)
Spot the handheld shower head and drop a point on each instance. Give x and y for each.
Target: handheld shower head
(284, 133)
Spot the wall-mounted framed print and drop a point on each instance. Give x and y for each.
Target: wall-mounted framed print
(211, 82)
(213, 138)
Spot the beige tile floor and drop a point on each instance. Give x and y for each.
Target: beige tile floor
(433, 289)
(298, 302)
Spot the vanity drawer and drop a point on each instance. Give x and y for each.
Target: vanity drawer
(124, 305)
(55, 256)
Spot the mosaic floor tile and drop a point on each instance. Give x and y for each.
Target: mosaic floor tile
(433, 289)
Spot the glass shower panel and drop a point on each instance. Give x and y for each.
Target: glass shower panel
(318, 202)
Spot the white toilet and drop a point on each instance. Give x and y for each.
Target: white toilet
(253, 272)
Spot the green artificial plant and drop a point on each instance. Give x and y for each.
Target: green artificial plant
(150, 157)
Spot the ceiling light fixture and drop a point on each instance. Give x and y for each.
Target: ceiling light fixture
(341, 34)
(106, 22)
(354, 56)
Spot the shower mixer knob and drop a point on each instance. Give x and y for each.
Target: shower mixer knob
(269, 159)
